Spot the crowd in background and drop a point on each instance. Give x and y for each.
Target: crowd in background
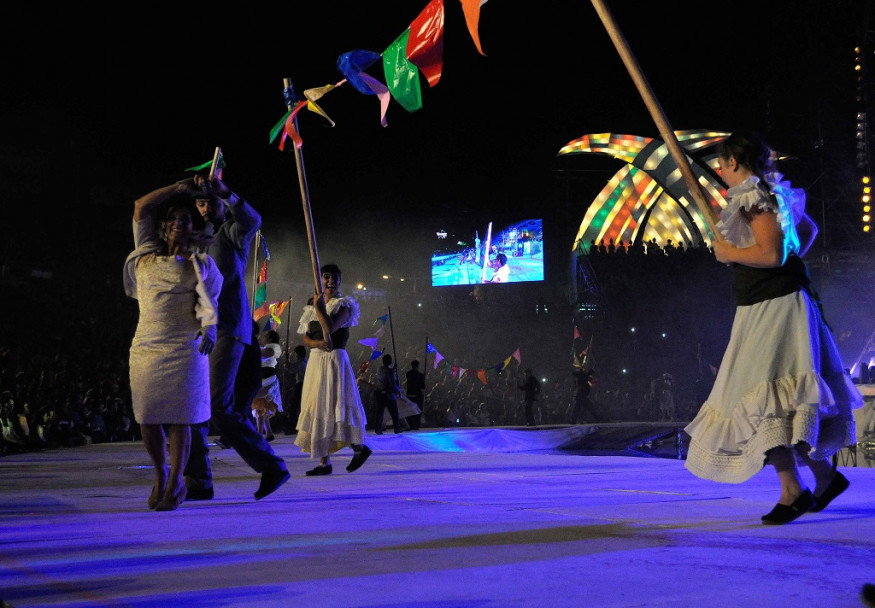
(65, 335)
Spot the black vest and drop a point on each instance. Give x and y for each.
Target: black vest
(752, 285)
(339, 337)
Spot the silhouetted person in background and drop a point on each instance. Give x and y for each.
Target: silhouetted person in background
(387, 394)
(415, 392)
(585, 379)
(531, 387)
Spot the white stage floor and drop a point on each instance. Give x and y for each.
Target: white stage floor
(462, 518)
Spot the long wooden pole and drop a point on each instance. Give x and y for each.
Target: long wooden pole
(424, 371)
(217, 153)
(305, 200)
(394, 352)
(658, 116)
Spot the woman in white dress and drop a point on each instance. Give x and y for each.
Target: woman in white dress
(781, 394)
(332, 416)
(177, 293)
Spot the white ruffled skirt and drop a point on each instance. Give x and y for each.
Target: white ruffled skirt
(781, 382)
(332, 416)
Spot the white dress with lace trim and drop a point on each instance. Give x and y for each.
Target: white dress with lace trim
(332, 416)
(781, 381)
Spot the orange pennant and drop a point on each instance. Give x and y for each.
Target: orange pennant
(471, 8)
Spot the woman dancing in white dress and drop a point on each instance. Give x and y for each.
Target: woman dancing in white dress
(332, 416)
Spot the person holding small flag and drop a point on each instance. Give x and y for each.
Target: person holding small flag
(229, 247)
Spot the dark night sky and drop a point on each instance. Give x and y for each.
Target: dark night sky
(99, 109)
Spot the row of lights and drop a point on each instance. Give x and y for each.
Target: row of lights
(862, 137)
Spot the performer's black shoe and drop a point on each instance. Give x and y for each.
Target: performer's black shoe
(320, 470)
(838, 485)
(359, 459)
(782, 514)
(271, 480)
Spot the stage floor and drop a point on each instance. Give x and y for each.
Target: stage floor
(474, 518)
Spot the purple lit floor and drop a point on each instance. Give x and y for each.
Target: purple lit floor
(471, 518)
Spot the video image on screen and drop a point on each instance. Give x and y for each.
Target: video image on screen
(493, 252)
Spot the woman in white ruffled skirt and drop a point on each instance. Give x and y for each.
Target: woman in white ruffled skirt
(781, 396)
(332, 416)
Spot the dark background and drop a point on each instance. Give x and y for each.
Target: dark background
(101, 106)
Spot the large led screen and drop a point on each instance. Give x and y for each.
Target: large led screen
(488, 252)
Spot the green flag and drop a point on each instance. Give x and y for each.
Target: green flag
(402, 77)
(260, 294)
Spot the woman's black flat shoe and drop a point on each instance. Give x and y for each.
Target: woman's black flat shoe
(782, 514)
(359, 458)
(326, 470)
(838, 485)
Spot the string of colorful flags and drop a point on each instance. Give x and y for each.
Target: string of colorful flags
(418, 49)
(456, 371)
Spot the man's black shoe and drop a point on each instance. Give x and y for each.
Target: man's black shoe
(271, 480)
(199, 494)
(319, 470)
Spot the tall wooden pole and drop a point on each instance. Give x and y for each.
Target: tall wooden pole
(217, 153)
(305, 200)
(424, 371)
(708, 213)
(394, 352)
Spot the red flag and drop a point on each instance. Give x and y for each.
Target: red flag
(262, 276)
(425, 47)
